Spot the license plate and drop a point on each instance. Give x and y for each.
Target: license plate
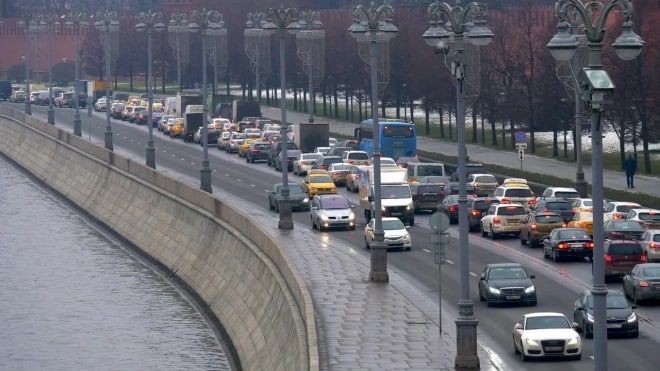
(576, 245)
(613, 325)
(513, 297)
(396, 214)
(552, 349)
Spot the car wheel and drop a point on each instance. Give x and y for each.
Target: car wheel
(635, 334)
(635, 300)
(578, 357)
(588, 333)
(483, 232)
(522, 240)
(545, 253)
(407, 248)
(366, 243)
(277, 207)
(523, 357)
(533, 303)
(481, 298)
(313, 224)
(515, 348)
(491, 233)
(412, 222)
(555, 256)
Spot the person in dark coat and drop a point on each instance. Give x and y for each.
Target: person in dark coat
(630, 165)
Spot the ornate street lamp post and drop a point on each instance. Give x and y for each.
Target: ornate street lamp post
(45, 23)
(311, 51)
(373, 25)
(76, 21)
(107, 22)
(28, 23)
(257, 48)
(149, 22)
(209, 22)
(283, 19)
(595, 83)
(449, 23)
(178, 26)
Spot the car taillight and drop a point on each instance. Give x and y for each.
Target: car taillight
(496, 220)
(505, 201)
(641, 223)
(582, 225)
(350, 162)
(255, 150)
(533, 226)
(643, 284)
(546, 210)
(304, 163)
(475, 212)
(589, 245)
(654, 245)
(453, 208)
(562, 245)
(608, 259)
(572, 212)
(616, 216)
(531, 202)
(643, 258)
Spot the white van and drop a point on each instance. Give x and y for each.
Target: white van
(170, 106)
(420, 169)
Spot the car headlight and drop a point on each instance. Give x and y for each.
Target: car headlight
(383, 208)
(573, 341)
(532, 342)
(494, 291)
(305, 200)
(631, 318)
(590, 317)
(324, 218)
(409, 207)
(351, 216)
(530, 289)
(406, 237)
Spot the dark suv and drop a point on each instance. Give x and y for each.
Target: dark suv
(559, 206)
(258, 152)
(275, 150)
(477, 207)
(427, 196)
(621, 256)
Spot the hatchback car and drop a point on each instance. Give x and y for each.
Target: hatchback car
(355, 157)
(396, 234)
(567, 193)
(297, 197)
(305, 162)
(651, 244)
(258, 151)
(521, 194)
(502, 219)
(643, 282)
(506, 283)
(476, 209)
(623, 230)
(546, 334)
(235, 141)
(568, 242)
(426, 197)
(331, 211)
(536, 227)
(621, 256)
(560, 206)
(618, 209)
(621, 319)
(482, 184)
(647, 218)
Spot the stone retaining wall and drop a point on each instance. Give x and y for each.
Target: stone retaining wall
(247, 282)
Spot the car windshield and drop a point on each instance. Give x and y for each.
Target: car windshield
(584, 203)
(626, 225)
(519, 192)
(511, 210)
(651, 272)
(546, 322)
(626, 208)
(652, 216)
(548, 219)
(507, 273)
(394, 224)
(614, 301)
(331, 203)
(567, 194)
(358, 156)
(573, 235)
(320, 179)
(296, 189)
(392, 192)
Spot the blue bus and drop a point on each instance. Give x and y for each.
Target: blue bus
(397, 138)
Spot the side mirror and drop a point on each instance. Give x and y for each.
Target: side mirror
(482, 277)
(518, 326)
(370, 198)
(574, 325)
(633, 306)
(578, 307)
(532, 277)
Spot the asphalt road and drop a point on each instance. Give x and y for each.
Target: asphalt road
(558, 284)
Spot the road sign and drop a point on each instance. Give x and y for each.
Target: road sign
(521, 137)
(521, 154)
(439, 222)
(521, 146)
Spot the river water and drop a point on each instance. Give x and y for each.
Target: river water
(72, 298)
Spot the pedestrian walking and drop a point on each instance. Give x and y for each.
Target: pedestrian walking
(630, 165)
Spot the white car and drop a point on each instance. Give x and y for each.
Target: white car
(651, 245)
(618, 209)
(331, 211)
(305, 162)
(396, 234)
(101, 104)
(546, 334)
(502, 219)
(647, 218)
(321, 150)
(385, 162)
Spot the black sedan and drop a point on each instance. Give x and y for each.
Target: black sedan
(643, 282)
(298, 197)
(506, 283)
(477, 208)
(617, 229)
(449, 206)
(292, 155)
(621, 319)
(568, 242)
(258, 151)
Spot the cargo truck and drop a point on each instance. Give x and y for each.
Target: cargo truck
(309, 136)
(241, 109)
(184, 100)
(396, 198)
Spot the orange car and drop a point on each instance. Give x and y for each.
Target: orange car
(584, 220)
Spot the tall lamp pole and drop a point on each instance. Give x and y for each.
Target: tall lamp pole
(595, 83)
(461, 22)
(178, 26)
(107, 22)
(76, 21)
(28, 23)
(283, 19)
(208, 22)
(373, 24)
(311, 52)
(45, 23)
(255, 47)
(150, 22)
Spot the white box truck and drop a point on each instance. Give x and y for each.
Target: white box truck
(395, 197)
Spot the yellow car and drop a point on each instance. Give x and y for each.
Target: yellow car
(584, 220)
(319, 182)
(177, 129)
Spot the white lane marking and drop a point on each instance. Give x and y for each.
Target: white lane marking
(425, 250)
(252, 185)
(592, 357)
(449, 261)
(239, 180)
(473, 274)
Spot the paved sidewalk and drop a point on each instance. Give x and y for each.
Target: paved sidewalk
(611, 179)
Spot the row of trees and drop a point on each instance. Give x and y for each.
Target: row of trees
(518, 89)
